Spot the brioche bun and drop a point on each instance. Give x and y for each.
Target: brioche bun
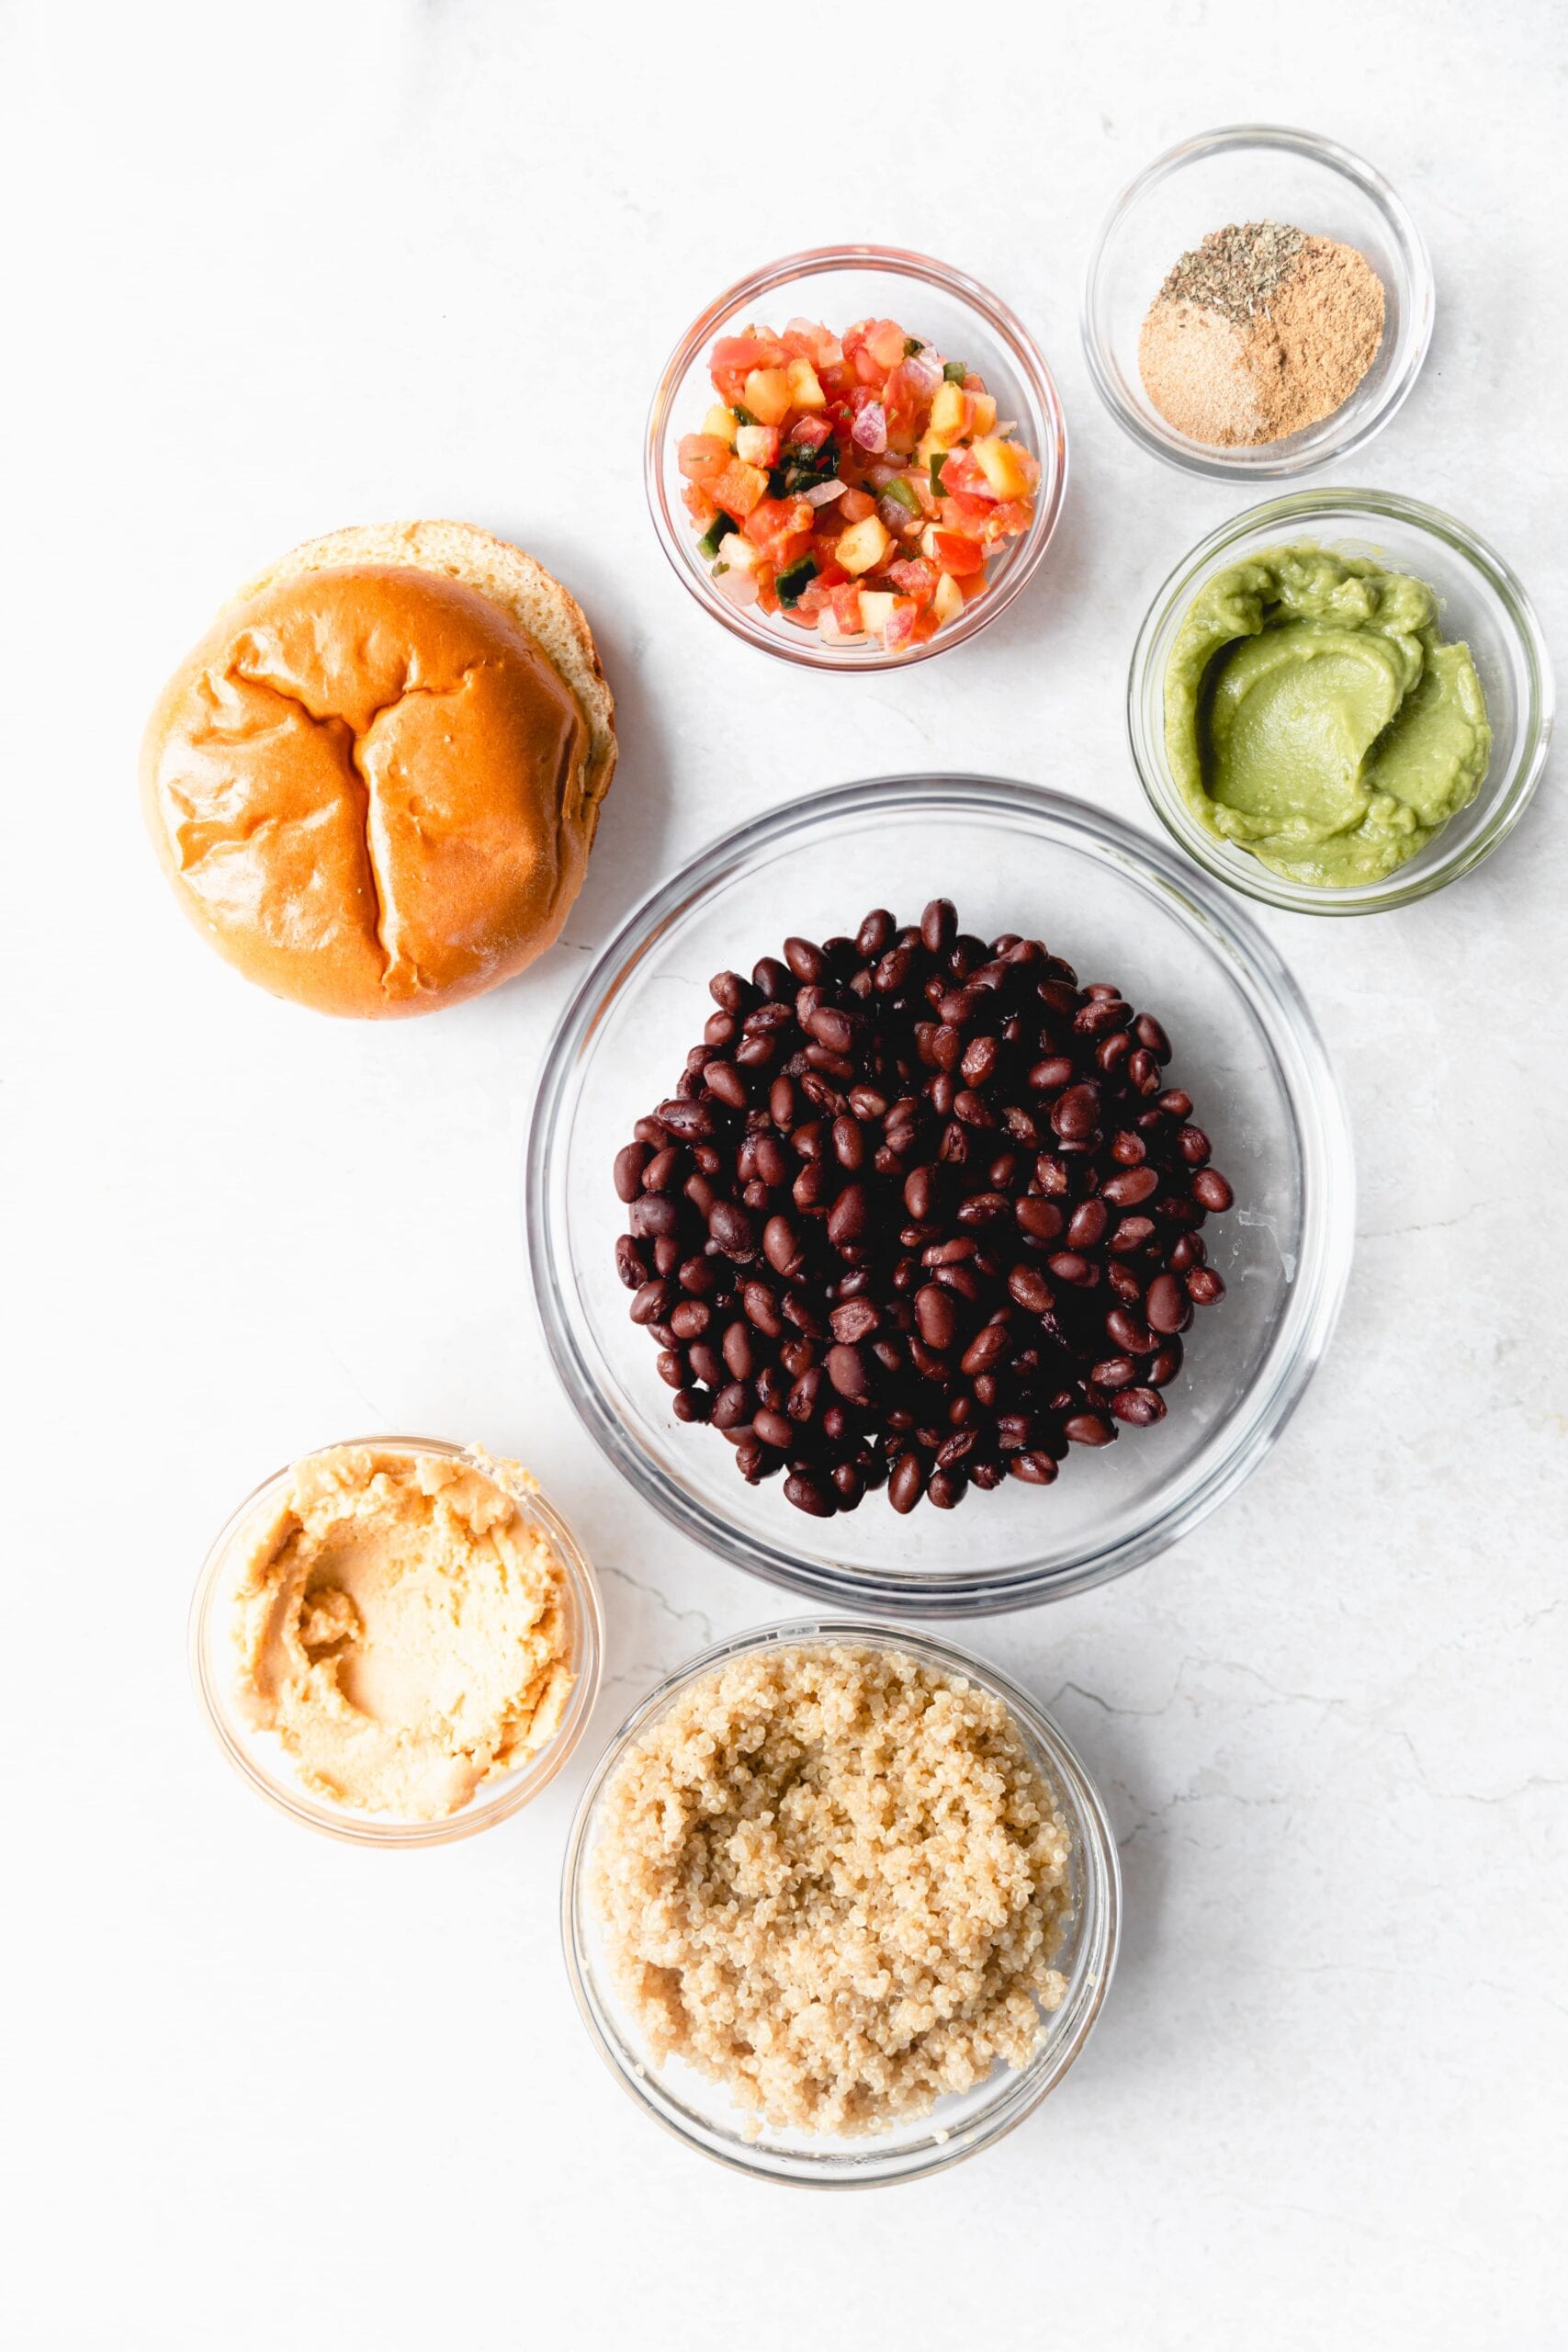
(375, 783)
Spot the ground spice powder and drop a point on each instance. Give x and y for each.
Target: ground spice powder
(1260, 331)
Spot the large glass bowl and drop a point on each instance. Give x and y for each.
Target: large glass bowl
(1254, 172)
(839, 284)
(1119, 907)
(1479, 600)
(702, 2113)
(259, 1756)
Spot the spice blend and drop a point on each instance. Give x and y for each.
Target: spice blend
(1260, 331)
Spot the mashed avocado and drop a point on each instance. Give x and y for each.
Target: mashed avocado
(1315, 716)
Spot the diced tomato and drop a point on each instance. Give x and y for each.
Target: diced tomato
(868, 369)
(813, 342)
(955, 554)
(844, 605)
(702, 457)
(734, 356)
(970, 518)
(915, 577)
(856, 505)
(961, 478)
(737, 489)
(699, 506)
(817, 596)
(884, 340)
(810, 432)
(899, 627)
(830, 571)
(1013, 516)
(903, 398)
(780, 527)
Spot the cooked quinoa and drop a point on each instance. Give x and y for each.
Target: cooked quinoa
(832, 1879)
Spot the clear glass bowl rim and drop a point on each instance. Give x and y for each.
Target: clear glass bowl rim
(1508, 800)
(374, 1829)
(1018, 2094)
(1362, 421)
(803, 647)
(1326, 1240)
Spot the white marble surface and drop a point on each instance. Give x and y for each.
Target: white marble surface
(281, 268)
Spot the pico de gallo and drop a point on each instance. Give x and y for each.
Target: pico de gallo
(854, 485)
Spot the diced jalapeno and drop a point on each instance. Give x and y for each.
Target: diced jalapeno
(937, 465)
(790, 584)
(900, 493)
(954, 371)
(719, 528)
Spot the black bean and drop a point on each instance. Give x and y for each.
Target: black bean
(847, 1370)
(1131, 1338)
(849, 1217)
(1085, 1227)
(935, 1315)
(1036, 1469)
(816, 1207)
(653, 1214)
(1138, 1405)
(1166, 1305)
(939, 926)
(630, 1162)
(1075, 1113)
(906, 1483)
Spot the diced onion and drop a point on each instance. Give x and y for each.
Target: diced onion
(740, 587)
(822, 494)
(870, 430)
(925, 366)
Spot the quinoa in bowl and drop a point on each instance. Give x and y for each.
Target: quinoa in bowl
(831, 1877)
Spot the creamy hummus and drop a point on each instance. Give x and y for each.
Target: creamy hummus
(402, 1628)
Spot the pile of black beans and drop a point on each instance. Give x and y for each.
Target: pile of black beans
(921, 1212)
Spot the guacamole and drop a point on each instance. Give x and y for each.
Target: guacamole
(1315, 716)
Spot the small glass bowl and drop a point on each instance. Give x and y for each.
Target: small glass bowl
(1120, 906)
(1480, 601)
(839, 284)
(702, 2113)
(1254, 172)
(259, 1756)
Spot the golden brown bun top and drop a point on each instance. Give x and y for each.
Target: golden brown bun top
(370, 786)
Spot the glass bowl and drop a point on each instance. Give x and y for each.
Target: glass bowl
(701, 2113)
(839, 284)
(1480, 601)
(1120, 906)
(1254, 172)
(259, 1756)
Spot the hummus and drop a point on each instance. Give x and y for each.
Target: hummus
(402, 1628)
(1315, 715)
